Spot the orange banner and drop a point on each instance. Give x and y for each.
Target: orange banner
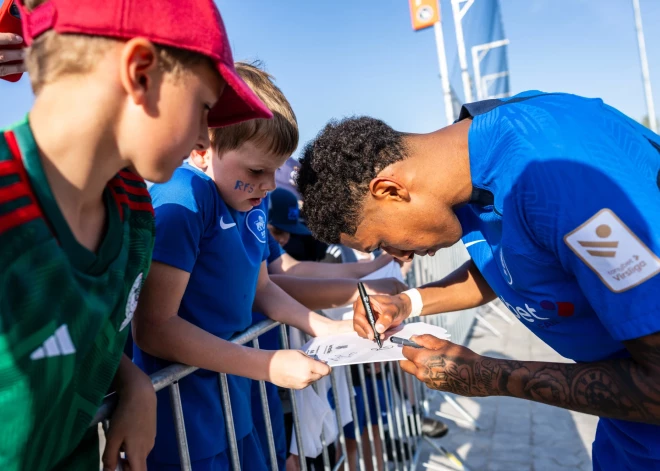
(424, 13)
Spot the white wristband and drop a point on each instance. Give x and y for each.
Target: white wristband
(416, 303)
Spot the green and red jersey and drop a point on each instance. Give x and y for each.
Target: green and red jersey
(65, 311)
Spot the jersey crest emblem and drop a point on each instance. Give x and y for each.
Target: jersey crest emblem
(256, 223)
(131, 302)
(505, 269)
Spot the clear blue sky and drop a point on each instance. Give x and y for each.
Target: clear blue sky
(344, 57)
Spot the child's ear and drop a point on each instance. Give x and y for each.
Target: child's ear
(201, 158)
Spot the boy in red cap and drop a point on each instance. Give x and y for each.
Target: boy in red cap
(125, 89)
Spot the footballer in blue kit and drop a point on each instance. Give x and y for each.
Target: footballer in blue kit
(557, 199)
(208, 272)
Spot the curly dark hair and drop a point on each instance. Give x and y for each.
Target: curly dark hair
(335, 171)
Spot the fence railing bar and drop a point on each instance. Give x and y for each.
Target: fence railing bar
(416, 421)
(397, 414)
(390, 418)
(340, 427)
(379, 412)
(367, 415)
(356, 421)
(404, 410)
(340, 463)
(267, 422)
(294, 408)
(229, 422)
(324, 445)
(180, 427)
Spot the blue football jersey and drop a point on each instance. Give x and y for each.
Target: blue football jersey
(565, 227)
(223, 250)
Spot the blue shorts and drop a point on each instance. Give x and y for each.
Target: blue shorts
(250, 455)
(349, 429)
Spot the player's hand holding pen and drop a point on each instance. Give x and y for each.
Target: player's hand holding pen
(388, 311)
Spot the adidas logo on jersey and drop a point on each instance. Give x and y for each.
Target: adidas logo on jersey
(58, 344)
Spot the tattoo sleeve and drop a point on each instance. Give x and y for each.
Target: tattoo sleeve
(627, 389)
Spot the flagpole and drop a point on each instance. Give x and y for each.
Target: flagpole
(645, 67)
(444, 71)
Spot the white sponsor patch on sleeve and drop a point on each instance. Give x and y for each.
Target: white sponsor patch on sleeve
(607, 246)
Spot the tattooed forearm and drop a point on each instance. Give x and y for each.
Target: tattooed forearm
(625, 388)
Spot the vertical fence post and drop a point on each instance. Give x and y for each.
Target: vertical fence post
(397, 415)
(294, 408)
(180, 427)
(367, 415)
(356, 421)
(324, 445)
(407, 425)
(381, 426)
(229, 423)
(390, 420)
(340, 427)
(266, 411)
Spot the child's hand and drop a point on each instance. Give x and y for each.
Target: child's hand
(132, 426)
(295, 370)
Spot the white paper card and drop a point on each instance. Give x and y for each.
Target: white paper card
(350, 349)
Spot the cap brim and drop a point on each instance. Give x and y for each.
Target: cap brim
(298, 229)
(237, 103)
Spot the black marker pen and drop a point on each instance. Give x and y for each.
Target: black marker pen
(404, 342)
(370, 314)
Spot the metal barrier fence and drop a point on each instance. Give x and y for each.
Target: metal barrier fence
(394, 440)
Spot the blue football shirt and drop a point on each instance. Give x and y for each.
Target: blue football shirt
(568, 235)
(223, 250)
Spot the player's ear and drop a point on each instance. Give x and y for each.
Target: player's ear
(201, 158)
(388, 189)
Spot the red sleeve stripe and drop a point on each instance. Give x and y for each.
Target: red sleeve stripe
(118, 201)
(132, 189)
(141, 207)
(16, 152)
(128, 175)
(8, 167)
(19, 216)
(16, 190)
(123, 198)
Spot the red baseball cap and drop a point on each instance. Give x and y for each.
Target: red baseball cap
(193, 25)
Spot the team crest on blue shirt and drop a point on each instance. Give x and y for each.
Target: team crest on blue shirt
(505, 269)
(256, 223)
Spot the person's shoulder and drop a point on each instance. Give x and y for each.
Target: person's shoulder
(188, 187)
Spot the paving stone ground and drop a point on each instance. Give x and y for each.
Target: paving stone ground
(514, 435)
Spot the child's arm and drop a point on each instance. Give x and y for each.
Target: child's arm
(279, 306)
(133, 423)
(159, 331)
(319, 293)
(287, 265)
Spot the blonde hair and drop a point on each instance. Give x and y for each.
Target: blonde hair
(54, 55)
(278, 135)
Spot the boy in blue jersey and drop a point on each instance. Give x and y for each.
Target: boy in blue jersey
(556, 198)
(208, 273)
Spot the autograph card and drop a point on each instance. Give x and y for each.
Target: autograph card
(350, 349)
